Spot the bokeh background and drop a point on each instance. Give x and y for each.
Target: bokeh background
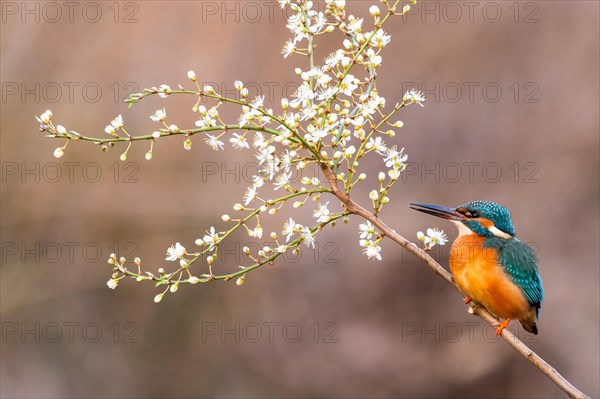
(512, 115)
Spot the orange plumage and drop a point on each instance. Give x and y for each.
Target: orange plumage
(479, 276)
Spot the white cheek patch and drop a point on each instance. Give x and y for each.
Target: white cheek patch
(499, 233)
(462, 229)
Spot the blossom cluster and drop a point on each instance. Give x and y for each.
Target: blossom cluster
(335, 120)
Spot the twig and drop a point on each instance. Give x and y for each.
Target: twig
(477, 310)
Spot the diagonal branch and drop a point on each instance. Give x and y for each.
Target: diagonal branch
(475, 309)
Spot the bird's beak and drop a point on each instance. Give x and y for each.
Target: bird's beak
(439, 211)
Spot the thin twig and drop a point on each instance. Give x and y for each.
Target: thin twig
(477, 310)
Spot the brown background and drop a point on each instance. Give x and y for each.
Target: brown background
(400, 331)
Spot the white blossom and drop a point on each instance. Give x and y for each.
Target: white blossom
(380, 39)
(307, 236)
(211, 238)
(366, 230)
(288, 48)
(434, 237)
(117, 123)
(282, 180)
(239, 141)
(249, 195)
(414, 95)
(164, 91)
(46, 116)
(349, 84)
(175, 252)
(213, 142)
(322, 213)
(289, 228)
(371, 249)
(159, 116)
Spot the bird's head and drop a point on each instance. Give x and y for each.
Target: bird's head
(484, 218)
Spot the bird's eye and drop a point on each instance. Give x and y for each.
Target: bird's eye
(468, 213)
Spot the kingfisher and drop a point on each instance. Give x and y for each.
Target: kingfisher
(490, 265)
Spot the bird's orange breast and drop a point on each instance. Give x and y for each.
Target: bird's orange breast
(479, 276)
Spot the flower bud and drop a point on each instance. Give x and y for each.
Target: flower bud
(59, 152)
(112, 283)
(46, 116)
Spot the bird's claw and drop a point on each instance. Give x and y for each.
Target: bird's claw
(502, 326)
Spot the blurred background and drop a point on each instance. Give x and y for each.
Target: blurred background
(511, 116)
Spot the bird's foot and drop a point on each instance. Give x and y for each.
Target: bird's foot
(467, 299)
(502, 326)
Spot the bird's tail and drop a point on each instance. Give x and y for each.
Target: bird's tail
(529, 323)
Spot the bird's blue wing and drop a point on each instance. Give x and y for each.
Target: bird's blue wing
(520, 263)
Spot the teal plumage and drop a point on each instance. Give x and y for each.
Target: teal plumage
(488, 210)
(520, 263)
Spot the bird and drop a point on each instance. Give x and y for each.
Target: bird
(490, 265)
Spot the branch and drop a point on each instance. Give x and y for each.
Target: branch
(475, 309)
